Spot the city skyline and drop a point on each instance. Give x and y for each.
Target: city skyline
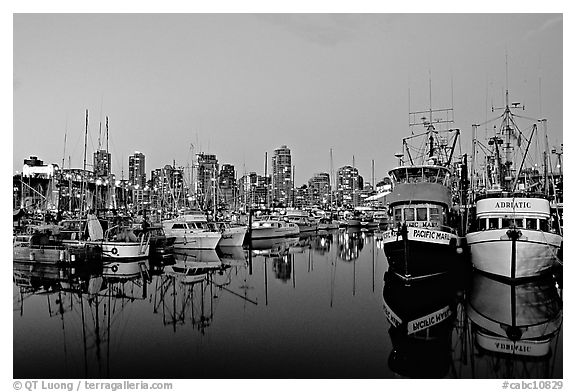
(312, 81)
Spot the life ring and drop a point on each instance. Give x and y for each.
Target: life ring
(114, 268)
(114, 251)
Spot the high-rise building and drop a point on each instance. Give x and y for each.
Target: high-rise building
(102, 163)
(137, 170)
(227, 184)
(319, 189)
(348, 186)
(253, 190)
(206, 177)
(282, 176)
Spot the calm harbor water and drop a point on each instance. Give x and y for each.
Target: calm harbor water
(316, 307)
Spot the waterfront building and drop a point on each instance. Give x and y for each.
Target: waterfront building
(282, 182)
(206, 177)
(348, 186)
(137, 170)
(319, 189)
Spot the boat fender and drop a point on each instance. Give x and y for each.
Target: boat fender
(114, 268)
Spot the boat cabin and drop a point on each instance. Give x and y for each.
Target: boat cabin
(418, 174)
(507, 212)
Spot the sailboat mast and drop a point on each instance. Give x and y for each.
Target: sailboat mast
(82, 198)
(331, 180)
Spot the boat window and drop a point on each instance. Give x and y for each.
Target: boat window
(398, 215)
(178, 226)
(430, 174)
(400, 175)
(519, 223)
(507, 223)
(435, 214)
(482, 224)
(408, 214)
(531, 223)
(544, 225)
(422, 214)
(493, 223)
(415, 175)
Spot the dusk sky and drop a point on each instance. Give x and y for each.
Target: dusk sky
(240, 85)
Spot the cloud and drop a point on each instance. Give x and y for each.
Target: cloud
(322, 29)
(546, 25)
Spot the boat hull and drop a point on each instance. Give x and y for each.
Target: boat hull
(201, 240)
(233, 236)
(419, 253)
(272, 232)
(533, 254)
(124, 250)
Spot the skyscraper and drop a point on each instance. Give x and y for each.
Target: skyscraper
(137, 169)
(102, 163)
(206, 177)
(282, 176)
(319, 189)
(348, 186)
(227, 184)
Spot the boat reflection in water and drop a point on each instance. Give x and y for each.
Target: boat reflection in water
(322, 243)
(421, 317)
(350, 243)
(515, 326)
(90, 305)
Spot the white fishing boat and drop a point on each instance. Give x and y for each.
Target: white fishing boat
(514, 233)
(514, 237)
(192, 232)
(273, 228)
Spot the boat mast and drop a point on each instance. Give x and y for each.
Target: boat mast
(82, 197)
(331, 179)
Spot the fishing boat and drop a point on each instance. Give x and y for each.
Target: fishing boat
(192, 232)
(305, 223)
(270, 227)
(514, 233)
(421, 240)
(511, 318)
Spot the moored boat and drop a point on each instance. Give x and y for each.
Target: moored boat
(269, 227)
(302, 219)
(514, 233)
(421, 240)
(192, 232)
